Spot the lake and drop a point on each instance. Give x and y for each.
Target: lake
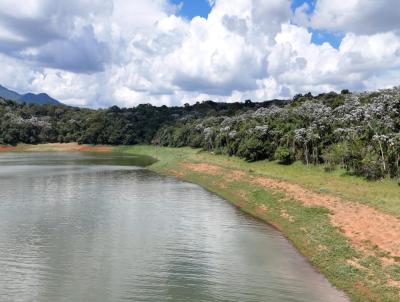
(93, 227)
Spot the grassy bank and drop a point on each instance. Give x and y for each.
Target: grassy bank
(384, 195)
(318, 213)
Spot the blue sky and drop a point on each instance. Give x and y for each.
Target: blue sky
(193, 8)
(298, 3)
(319, 36)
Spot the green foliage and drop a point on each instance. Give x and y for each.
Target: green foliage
(283, 155)
(253, 149)
(370, 167)
(33, 124)
(358, 132)
(334, 155)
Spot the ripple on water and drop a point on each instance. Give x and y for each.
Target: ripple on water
(87, 232)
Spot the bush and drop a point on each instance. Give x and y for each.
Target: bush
(253, 149)
(283, 155)
(333, 156)
(371, 167)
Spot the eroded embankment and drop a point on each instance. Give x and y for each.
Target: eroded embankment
(371, 263)
(4, 148)
(360, 223)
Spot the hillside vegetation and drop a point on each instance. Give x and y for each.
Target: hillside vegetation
(359, 132)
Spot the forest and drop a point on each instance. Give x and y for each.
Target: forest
(359, 132)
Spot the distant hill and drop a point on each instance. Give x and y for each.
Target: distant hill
(41, 98)
(9, 94)
(30, 98)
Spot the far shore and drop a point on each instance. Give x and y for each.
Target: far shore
(56, 147)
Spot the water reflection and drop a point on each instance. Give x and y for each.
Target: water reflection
(89, 232)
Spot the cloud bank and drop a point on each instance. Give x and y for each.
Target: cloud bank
(103, 52)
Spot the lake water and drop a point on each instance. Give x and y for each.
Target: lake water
(85, 227)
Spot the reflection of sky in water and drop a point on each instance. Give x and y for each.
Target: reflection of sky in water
(109, 233)
(72, 158)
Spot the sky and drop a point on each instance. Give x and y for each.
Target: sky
(99, 53)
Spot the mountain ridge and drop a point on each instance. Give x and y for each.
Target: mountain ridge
(30, 98)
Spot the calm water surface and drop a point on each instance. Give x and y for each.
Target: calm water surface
(82, 227)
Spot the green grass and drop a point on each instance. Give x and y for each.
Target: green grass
(167, 157)
(362, 276)
(383, 195)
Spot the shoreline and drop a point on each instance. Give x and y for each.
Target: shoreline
(56, 147)
(365, 271)
(339, 236)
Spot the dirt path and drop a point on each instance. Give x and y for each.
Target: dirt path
(364, 226)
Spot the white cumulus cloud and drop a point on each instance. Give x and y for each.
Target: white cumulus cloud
(104, 52)
(357, 16)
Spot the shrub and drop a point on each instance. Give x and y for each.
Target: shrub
(370, 167)
(283, 155)
(253, 149)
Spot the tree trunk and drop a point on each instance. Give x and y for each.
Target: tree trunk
(306, 153)
(315, 155)
(382, 157)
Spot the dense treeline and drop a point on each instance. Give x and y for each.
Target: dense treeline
(358, 132)
(33, 124)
